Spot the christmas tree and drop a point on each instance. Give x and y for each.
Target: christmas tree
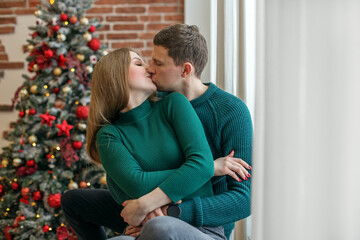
(46, 155)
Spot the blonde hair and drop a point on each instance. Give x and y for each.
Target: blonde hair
(109, 95)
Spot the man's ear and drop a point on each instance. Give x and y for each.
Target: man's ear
(187, 69)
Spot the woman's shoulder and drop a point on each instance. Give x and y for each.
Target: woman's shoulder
(175, 97)
(106, 131)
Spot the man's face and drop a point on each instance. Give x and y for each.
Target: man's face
(165, 74)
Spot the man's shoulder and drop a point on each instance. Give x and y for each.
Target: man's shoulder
(226, 102)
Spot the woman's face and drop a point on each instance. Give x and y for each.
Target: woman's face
(139, 79)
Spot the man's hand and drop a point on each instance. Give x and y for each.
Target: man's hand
(133, 231)
(156, 213)
(133, 212)
(231, 166)
(162, 211)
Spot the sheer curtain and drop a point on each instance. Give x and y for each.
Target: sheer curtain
(229, 27)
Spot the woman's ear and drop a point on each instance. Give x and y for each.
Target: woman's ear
(187, 69)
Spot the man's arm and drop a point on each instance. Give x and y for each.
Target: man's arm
(233, 203)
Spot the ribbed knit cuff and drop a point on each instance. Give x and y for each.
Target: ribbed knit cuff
(192, 212)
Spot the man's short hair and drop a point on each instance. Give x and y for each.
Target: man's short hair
(185, 44)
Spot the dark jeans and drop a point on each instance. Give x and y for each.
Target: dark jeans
(87, 210)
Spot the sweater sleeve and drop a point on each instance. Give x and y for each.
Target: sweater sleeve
(198, 167)
(123, 169)
(233, 203)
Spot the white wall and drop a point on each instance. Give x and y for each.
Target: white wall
(12, 78)
(307, 131)
(203, 13)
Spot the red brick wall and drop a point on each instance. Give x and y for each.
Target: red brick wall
(125, 22)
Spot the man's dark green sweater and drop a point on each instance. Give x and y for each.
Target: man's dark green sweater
(228, 126)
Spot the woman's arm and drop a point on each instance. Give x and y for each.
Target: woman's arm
(123, 169)
(197, 169)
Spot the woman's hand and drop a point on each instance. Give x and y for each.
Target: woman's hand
(134, 212)
(231, 166)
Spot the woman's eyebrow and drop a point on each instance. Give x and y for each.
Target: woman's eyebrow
(136, 58)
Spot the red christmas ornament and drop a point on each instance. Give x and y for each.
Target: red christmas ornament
(30, 163)
(35, 34)
(54, 200)
(25, 191)
(61, 61)
(30, 67)
(24, 200)
(64, 128)
(55, 28)
(15, 186)
(48, 156)
(21, 150)
(21, 114)
(6, 232)
(73, 19)
(47, 118)
(49, 53)
(32, 111)
(1, 190)
(77, 144)
(26, 170)
(63, 17)
(18, 219)
(94, 44)
(83, 184)
(82, 112)
(37, 196)
(45, 228)
(55, 90)
(91, 29)
(62, 233)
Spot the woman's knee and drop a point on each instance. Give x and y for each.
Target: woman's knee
(69, 197)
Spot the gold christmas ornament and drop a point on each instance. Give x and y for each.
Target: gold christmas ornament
(32, 139)
(17, 162)
(30, 47)
(60, 104)
(87, 36)
(5, 162)
(82, 126)
(57, 71)
(35, 68)
(73, 185)
(34, 89)
(24, 93)
(84, 21)
(37, 13)
(89, 69)
(61, 37)
(103, 180)
(80, 57)
(66, 89)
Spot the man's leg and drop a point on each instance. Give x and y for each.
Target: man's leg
(166, 228)
(87, 210)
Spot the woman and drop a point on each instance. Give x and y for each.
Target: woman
(153, 151)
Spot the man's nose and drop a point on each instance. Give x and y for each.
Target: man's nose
(149, 68)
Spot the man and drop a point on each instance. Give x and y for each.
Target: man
(179, 57)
